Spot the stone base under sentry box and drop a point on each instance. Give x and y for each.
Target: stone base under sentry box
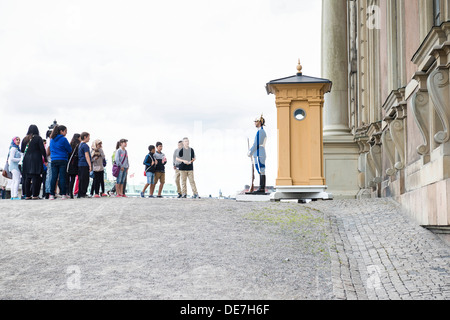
(300, 193)
(253, 197)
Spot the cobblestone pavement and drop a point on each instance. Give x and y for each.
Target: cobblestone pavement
(211, 249)
(378, 252)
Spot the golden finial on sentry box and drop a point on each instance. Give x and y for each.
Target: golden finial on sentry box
(299, 68)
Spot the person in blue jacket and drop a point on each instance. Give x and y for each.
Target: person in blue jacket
(258, 152)
(60, 150)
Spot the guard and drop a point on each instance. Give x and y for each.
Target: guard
(258, 152)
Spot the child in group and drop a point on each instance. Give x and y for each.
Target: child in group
(150, 168)
(98, 156)
(121, 160)
(84, 165)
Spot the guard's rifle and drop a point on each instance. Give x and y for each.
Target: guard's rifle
(252, 188)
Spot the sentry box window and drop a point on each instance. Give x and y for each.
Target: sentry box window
(300, 114)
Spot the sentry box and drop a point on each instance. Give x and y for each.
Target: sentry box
(299, 100)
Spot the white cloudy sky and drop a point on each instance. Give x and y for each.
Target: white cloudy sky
(155, 71)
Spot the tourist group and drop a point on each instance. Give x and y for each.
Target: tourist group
(56, 168)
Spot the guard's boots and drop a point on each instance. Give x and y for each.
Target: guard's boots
(262, 185)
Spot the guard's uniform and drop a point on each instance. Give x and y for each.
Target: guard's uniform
(258, 151)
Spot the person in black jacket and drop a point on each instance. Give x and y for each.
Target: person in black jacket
(33, 162)
(160, 172)
(150, 168)
(72, 166)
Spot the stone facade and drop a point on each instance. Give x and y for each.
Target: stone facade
(398, 101)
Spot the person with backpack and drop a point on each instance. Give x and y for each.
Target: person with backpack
(186, 157)
(72, 165)
(150, 168)
(60, 150)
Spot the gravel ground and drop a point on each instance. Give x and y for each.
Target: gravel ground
(163, 249)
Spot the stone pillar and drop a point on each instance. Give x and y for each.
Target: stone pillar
(335, 66)
(341, 152)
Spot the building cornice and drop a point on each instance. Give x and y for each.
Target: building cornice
(437, 36)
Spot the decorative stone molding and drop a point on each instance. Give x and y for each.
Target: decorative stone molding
(389, 148)
(438, 87)
(395, 105)
(437, 36)
(420, 107)
(364, 176)
(401, 110)
(375, 152)
(397, 129)
(370, 171)
(361, 167)
(374, 132)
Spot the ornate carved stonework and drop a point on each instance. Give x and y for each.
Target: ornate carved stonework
(375, 152)
(370, 171)
(363, 150)
(438, 87)
(420, 107)
(397, 129)
(389, 148)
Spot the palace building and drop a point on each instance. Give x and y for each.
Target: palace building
(387, 119)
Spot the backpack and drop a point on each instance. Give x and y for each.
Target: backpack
(73, 160)
(149, 167)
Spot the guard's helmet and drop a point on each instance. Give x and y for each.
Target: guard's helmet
(261, 119)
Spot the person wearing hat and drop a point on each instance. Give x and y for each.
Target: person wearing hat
(258, 152)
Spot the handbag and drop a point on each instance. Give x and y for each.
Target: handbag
(6, 173)
(116, 168)
(25, 152)
(71, 157)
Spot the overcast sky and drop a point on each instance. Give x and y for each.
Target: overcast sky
(153, 71)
